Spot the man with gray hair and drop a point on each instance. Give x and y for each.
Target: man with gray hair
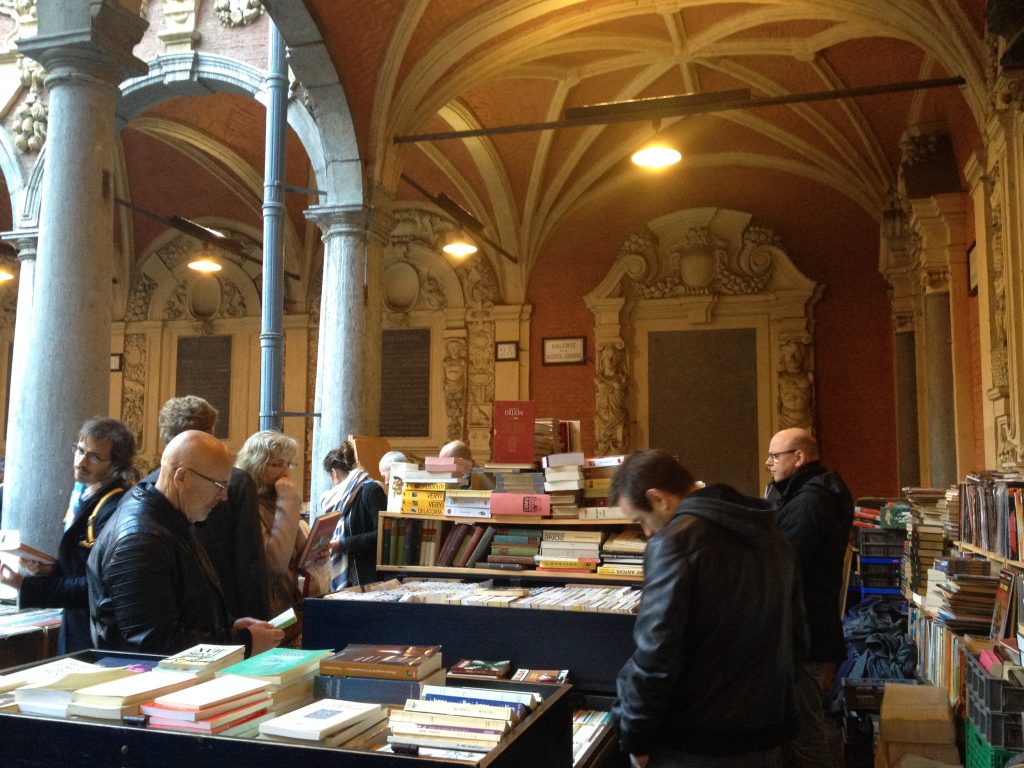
(232, 533)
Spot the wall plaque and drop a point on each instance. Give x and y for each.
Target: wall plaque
(565, 350)
(405, 383)
(204, 369)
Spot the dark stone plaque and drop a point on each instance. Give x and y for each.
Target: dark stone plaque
(405, 383)
(204, 369)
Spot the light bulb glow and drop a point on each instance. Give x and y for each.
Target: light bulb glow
(5, 276)
(656, 156)
(204, 265)
(459, 249)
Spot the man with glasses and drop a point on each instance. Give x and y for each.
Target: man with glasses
(815, 514)
(102, 462)
(152, 587)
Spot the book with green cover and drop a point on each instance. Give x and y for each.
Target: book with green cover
(278, 665)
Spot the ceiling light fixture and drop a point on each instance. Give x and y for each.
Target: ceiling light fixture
(458, 245)
(205, 264)
(5, 275)
(655, 154)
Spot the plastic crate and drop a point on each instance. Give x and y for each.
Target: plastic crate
(864, 694)
(879, 575)
(981, 754)
(999, 729)
(992, 693)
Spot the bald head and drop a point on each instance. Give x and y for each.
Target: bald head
(195, 469)
(456, 449)
(789, 450)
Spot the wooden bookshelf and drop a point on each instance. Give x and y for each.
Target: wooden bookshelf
(499, 573)
(1005, 561)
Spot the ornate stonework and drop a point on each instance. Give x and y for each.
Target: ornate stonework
(8, 304)
(140, 298)
(19, 9)
(179, 32)
(133, 393)
(31, 118)
(796, 383)
(237, 13)
(454, 367)
(611, 416)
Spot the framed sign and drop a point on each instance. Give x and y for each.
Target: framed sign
(564, 350)
(506, 350)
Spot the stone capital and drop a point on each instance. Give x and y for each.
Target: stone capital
(25, 241)
(361, 220)
(90, 42)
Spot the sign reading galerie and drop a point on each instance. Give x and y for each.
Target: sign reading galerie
(565, 350)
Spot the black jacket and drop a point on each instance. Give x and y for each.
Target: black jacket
(66, 586)
(152, 589)
(360, 541)
(719, 632)
(233, 537)
(815, 514)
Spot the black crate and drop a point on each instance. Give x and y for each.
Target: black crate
(991, 693)
(999, 729)
(864, 694)
(881, 542)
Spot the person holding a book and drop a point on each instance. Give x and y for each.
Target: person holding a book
(152, 588)
(359, 498)
(720, 626)
(267, 457)
(103, 466)
(815, 514)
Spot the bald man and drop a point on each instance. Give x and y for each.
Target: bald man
(152, 588)
(815, 514)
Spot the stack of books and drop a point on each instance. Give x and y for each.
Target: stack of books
(547, 437)
(48, 689)
(426, 497)
(622, 553)
(289, 672)
(469, 719)
(124, 696)
(563, 480)
(204, 660)
(926, 544)
(569, 551)
(949, 511)
(521, 478)
(968, 603)
(379, 673)
(597, 479)
(588, 728)
(329, 722)
(513, 548)
(460, 502)
(230, 705)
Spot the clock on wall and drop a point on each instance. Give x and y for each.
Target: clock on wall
(506, 350)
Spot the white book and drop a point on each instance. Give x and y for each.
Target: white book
(527, 698)
(316, 721)
(151, 708)
(212, 692)
(131, 690)
(51, 695)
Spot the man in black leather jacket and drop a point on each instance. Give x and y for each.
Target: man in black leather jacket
(152, 588)
(720, 626)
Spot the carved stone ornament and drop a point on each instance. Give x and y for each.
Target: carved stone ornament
(611, 416)
(205, 299)
(140, 297)
(796, 383)
(454, 367)
(703, 263)
(31, 118)
(237, 13)
(1007, 454)
(20, 9)
(133, 393)
(413, 225)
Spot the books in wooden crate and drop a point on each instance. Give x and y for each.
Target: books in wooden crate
(279, 666)
(410, 662)
(323, 719)
(117, 698)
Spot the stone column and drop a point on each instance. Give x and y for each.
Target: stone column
(948, 417)
(86, 47)
(348, 358)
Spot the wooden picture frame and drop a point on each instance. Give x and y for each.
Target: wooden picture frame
(564, 350)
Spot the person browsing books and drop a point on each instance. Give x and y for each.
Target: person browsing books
(102, 463)
(815, 514)
(152, 588)
(268, 457)
(720, 591)
(359, 498)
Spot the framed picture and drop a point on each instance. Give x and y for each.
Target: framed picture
(506, 350)
(564, 350)
(116, 362)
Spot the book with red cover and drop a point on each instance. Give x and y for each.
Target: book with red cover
(528, 504)
(470, 544)
(512, 440)
(451, 544)
(320, 535)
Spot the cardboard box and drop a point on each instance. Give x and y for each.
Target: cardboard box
(893, 753)
(918, 714)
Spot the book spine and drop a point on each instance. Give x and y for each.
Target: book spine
(470, 545)
(386, 526)
(456, 698)
(396, 538)
(451, 545)
(505, 538)
(481, 546)
(380, 671)
(369, 690)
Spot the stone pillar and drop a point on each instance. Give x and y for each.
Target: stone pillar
(948, 421)
(86, 47)
(348, 359)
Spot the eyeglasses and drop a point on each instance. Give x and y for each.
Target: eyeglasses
(775, 456)
(220, 486)
(278, 464)
(92, 458)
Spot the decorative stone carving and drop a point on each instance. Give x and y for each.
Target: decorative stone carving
(1006, 450)
(796, 383)
(432, 293)
(181, 303)
(479, 283)
(140, 297)
(454, 367)
(611, 416)
(416, 226)
(703, 264)
(174, 307)
(22, 9)
(237, 13)
(179, 32)
(133, 392)
(401, 286)
(232, 301)
(8, 305)
(32, 115)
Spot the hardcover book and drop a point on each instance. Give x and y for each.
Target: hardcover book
(411, 662)
(512, 441)
(522, 504)
(481, 668)
(373, 689)
(10, 544)
(320, 534)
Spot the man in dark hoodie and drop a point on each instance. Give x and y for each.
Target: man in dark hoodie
(815, 514)
(720, 627)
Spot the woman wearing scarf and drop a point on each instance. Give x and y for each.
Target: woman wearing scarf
(359, 498)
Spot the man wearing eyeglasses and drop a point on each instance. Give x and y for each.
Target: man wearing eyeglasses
(815, 514)
(102, 462)
(152, 587)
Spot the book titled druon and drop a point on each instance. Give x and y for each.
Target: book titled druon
(404, 662)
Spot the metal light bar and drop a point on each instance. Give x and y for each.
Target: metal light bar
(642, 110)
